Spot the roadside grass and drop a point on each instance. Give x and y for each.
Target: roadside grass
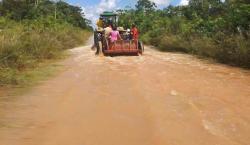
(28, 79)
(30, 50)
(31, 77)
(233, 50)
(26, 45)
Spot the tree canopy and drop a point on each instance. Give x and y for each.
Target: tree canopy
(35, 9)
(213, 28)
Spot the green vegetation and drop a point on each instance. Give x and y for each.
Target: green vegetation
(208, 28)
(32, 32)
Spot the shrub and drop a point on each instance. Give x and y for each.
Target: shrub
(230, 49)
(25, 44)
(172, 43)
(234, 50)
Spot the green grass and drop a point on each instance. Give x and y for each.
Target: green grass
(31, 77)
(228, 49)
(26, 45)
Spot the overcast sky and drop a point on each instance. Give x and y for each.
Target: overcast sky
(92, 8)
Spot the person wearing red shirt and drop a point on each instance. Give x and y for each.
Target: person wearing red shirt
(134, 32)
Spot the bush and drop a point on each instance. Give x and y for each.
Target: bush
(25, 44)
(172, 43)
(229, 49)
(234, 50)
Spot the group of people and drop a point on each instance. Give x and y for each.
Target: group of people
(112, 34)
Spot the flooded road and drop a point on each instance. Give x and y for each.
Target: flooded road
(154, 99)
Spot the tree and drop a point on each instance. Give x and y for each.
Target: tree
(145, 6)
(34, 9)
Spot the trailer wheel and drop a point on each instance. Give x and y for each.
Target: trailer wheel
(141, 47)
(96, 42)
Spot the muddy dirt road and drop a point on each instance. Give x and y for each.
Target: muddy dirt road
(154, 99)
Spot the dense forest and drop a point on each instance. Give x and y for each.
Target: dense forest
(208, 28)
(32, 31)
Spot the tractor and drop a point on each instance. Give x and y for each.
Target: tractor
(125, 46)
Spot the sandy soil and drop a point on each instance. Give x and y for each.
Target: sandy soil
(154, 99)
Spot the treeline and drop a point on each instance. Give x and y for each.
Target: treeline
(20, 10)
(209, 28)
(32, 31)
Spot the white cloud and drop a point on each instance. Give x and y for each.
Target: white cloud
(92, 12)
(184, 2)
(106, 5)
(161, 2)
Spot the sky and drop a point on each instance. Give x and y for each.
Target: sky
(92, 8)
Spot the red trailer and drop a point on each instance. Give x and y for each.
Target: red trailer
(123, 47)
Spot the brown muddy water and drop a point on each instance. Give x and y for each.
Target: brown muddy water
(154, 99)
